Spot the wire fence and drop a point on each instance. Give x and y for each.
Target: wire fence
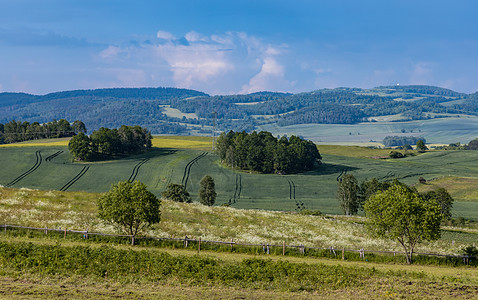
(267, 248)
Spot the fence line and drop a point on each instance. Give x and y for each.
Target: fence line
(265, 246)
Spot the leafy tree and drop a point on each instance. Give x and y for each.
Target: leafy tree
(443, 198)
(401, 214)
(207, 191)
(130, 207)
(78, 127)
(80, 147)
(370, 187)
(176, 192)
(421, 145)
(348, 194)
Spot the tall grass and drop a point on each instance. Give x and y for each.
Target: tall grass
(77, 210)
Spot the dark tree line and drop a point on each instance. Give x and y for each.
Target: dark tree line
(392, 141)
(16, 131)
(262, 152)
(110, 142)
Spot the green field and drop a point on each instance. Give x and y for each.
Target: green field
(22, 167)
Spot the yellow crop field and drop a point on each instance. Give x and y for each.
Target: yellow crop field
(40, 143)
(182, 142)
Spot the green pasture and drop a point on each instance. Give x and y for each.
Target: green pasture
(311, 190)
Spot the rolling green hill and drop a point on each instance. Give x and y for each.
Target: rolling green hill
(50, 168)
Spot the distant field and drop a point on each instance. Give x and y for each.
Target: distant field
(169, 163)
(441, 131)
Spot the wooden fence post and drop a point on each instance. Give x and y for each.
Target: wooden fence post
(65, 234)
(267, 248)
(186, 242)
(199, 245)
(283, 248)
(132, 240)
(343, 253)
(232, 244)
(5, 228)
(46, 230)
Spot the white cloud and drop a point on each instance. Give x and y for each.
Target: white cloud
(193, 36)
(193, 64)
(216, 63)
(165, 35)
(110, 53)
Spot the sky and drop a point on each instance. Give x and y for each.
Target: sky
(231, 47)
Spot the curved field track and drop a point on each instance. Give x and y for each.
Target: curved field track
(75, 179)
(31, 170)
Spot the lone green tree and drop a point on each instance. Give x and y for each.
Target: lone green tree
(348, 194)
(130, 207)
(176, 192)
(402, 214)
(207, 191)
(421, 147)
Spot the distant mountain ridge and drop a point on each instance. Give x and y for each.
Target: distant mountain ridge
(184, 111)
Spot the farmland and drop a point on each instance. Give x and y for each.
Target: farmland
(50, 168)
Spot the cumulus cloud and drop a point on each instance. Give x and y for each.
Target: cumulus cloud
(209, 63)
(165, 35)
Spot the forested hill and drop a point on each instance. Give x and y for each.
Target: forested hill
(182, 111)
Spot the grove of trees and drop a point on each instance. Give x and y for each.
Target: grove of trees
(262, 152)
(392, 141)
(110, 142)
(16, 131)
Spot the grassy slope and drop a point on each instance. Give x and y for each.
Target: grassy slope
(77, 210)
(315, 190)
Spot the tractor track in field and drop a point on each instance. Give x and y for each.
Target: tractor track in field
(187, 169)
(49, 158)
(135, 171)
(237, 190)
(291, 189)
(31, 170)
(75, 179)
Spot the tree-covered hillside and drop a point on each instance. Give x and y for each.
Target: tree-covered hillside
(181, 111)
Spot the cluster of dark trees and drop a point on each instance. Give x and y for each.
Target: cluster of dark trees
(393, 141)
(262, 152)
(352, 195)
(16, 131)
(110, 142)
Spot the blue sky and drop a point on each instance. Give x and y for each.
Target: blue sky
(227, 47)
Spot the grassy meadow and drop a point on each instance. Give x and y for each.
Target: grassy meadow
(77, 211)
(168, 162)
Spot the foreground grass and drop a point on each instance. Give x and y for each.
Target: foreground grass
(40, 270)
(77, 211)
